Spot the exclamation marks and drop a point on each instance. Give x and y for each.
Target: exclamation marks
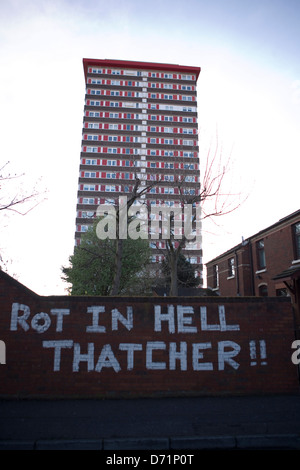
(2, 352)
(262, 353)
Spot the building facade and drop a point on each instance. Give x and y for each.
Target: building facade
(254, 267)
(140, 121)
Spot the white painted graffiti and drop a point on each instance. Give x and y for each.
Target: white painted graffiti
(156, 355)
(107, 358)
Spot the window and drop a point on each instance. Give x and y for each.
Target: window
(296, 240)
(282, 292)
(231, 267)
(261, 257)
(89, 187)
(86, 200)
(87, 214)
(92, 149)
(109, 188)
(215, 276)
(90, 174)
(189, 179)
(263, 290)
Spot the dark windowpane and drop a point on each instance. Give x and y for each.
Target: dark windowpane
(297, 240)
(261, 257)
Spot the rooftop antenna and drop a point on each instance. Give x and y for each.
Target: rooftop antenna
(244, 242)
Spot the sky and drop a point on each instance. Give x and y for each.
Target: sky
(248, 107)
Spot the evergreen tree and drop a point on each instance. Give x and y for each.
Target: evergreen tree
(91, 270)
(186, 272)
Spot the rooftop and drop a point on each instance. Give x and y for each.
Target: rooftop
(140, 65)
(258, 234)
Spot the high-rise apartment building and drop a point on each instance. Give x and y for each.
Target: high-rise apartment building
(140, 120)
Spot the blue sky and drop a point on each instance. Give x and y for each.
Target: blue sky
(248, 92)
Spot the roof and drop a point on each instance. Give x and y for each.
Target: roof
(292, 272)
(140, 65)
(258, 234)
(10, 280)
(230, 251)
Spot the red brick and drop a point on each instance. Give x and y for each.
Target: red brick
(28, 371)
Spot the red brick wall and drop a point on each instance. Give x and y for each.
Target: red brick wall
(279, 253)
(172, 346)
(279, 256)
(240, 283)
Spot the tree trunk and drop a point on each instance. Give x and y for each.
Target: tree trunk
(118, 267)
(173, 274)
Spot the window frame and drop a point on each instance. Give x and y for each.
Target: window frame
(216, 277)
(231, 267)
(296, 240)
(261, 255)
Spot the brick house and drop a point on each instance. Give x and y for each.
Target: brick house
(265, 264)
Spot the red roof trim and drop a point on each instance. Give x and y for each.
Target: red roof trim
(140, 65)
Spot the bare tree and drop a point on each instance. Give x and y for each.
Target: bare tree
(120, 218)
(216, 192)
(12, 198)
(136, 195)
(177, 237)
(213, 198)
